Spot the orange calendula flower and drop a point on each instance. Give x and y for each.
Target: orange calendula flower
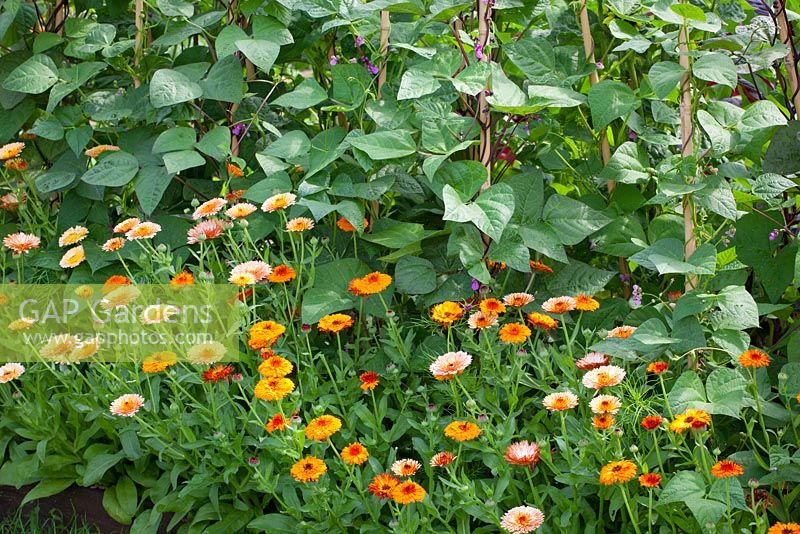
(542, 321)
(514, 333)
(408, 492)
(691, 419)
(113, 282)
(345, 226)
(217, 373)
(560, 401)
(127, 405)
(370, 284)
(622, 332)
(354, 454)
(540, 267)
(382, 485)
(234, 170)
(442, 459)
(264, 334)
(603, 421)
(240, 210)
(650, 480)
(72, 258)
(726, 469)
(11, 150)
(523, 453)
(95, 151)
(308, 469)
(209, 208)
(126, 226)
(657, 368)
(447, 312)
(518, 300)
(369, 380)
(114, 244)
(322, 427)
(784, 528)
(21, 243)
(753, 358)
(281, 274)
(481, 321)
(275, 366)
(73, 235)
(605, 404)
(462, 431)
(405, 467)
(276, 422)
(651, 422)
(586, 303)
(559, 305)
(499, 265)
(279, 202)
(335, 323)
(300, 224)
(492, 307)
(159, 361)
(16, 164)
(184, 278)
(617, 472)
(273, 389)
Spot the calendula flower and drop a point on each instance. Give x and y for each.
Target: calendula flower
(16, 164)
(84, 291)
(282, 274)
(275, 366)
(119, 296)
(264, 334)
(560, 401)
(559, 305)
(114, 244)
(408, 492)
(322, 427)
(334, 323)
(273, 389)
(605, 404)
(618, 472)
(492, 307)
(158, 313)
(217, 373)
(126, 226)
(354, 454)
(726, 469)
(542, 321)
(691, 419)
(522, 519)
(784, 528)
(514, 333)
(206, 353)
(657, 368)
(540, 267)
(499, 265)
(242, 279)
(235, 195)
(308, 469)
(127, 405)
(462, 431)
(59, 347)
(442, 459)
(447, 312)
(603, 421)
(143, 230)
(276, 422)
(369, 380)
(518, 300)
(523, 453)
(11, 150)
(592, 360)
(603, 377)
(159, 361)
(209, 208)
(21, 243)
(450, 364)
(95, 151)
(481, 321)
(73, 235)
(9, 202)
(11, 371)
(650, 480)
(23, 323)
(240, 210)
(651, 422)
(113, 282)
(370, 284)
(753, 358)
(345, 226)
(586, 303)
(279, 202)
(234, 170)
(72, 258)
(405, 467)
(622, 332)
(259, 269)
(204, 231)
(184, 278)
(382, 485)
(300, 224)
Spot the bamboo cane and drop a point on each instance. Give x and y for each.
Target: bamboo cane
(687, 149)
(384, 49)
(137, 55)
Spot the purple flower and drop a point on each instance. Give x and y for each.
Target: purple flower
(334, 60)
(359, 40)
(773, 235)
(237, 129)
(632, 135)
(636, 296)
(599, 65)
(479, 51)
(475, 285)
(624, 277)
(373, 69)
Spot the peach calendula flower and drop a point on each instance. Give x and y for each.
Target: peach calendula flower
(522, 519)
(234, 170)
(559, 305)
(242, 279)
(114, 244)
(523, 453)
(240, 210)
(726, 469)
(651, 422)
(354, 454)
(300, 224)
(622, 332)
(618, 472)
(273, 389)
(542, 321)
(442, 459)
(592, 360)
(369, 380)
(235, 195)
(382, 485)
(518, 300)
(753, 358)
(143, 230)
(405, 467)
(334, 323)
(159, 361)
(159, 313)
(450, 364)
(603, 377)
(126, 226)
(275, 366)
(276, 422)
(73, 235)
(492, 307)
(447, 312)
(95, 151)
(84, 291)
(514, 333)
(10, 202)
(650, 480)
(784, 528)
(560, 401)
(16, 164)
(603, 421)
(657, 368)
(11, 150)
(690, 419)
(540, 267)
(209, 208)
(481, 321)
(204, 231)
(281, 274)
(462, 431)
(21, 243)
(184, 278)
(322, 427)
(605, 404)
(345, 226)
(217, 373)
(72, 258)
(264, 334)
(308, 469)
(119, 296)
(259, 269)
(206, 353)
(127, 405)
(279, 202)
(59, 347)
(586, 303)
(11, 371)
(23, 323)
(408, 492)
(370, 284)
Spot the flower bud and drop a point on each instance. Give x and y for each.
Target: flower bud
(471, 404)
(195, 203)
(161, 248)
(634, 449)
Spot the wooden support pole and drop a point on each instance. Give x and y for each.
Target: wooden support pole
(483, 115)
(790, 61)
(687, 149)
(139, 43)
(384, 49)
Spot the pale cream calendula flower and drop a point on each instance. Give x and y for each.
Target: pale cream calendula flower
(207, 353)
